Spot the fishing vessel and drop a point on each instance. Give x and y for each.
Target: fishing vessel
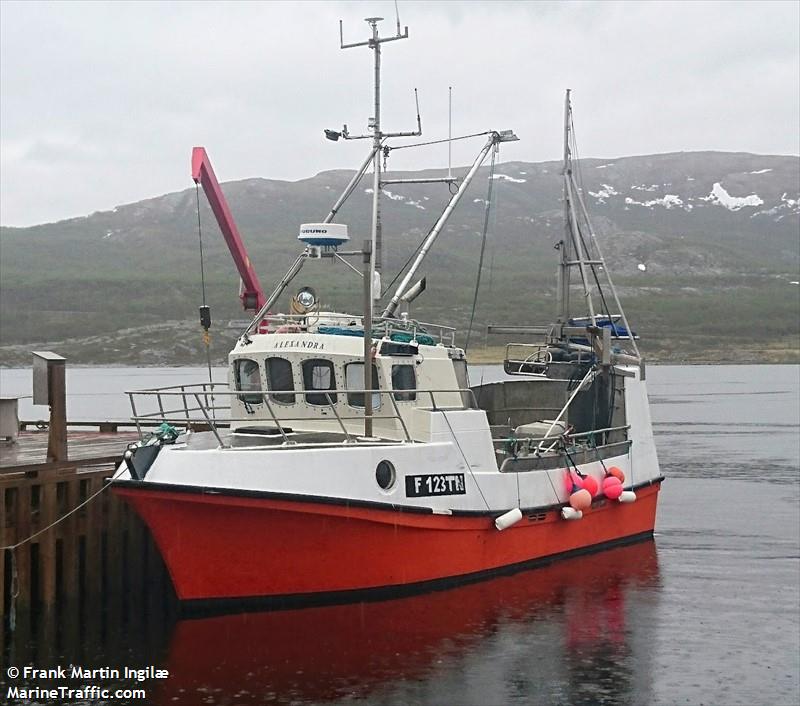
(307, 478)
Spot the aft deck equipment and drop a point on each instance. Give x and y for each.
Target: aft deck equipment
(348, 454)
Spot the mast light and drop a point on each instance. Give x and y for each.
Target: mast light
(507, 136)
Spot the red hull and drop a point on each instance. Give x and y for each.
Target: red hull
(220, 546)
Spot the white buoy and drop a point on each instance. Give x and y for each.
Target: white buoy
(627, 496)
(510, 518)
(570, 513)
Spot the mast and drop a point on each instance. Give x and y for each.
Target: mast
(377, 247)
(573, 244)
(566, 243)
(373, 250)
(376, 135)
(576, 251)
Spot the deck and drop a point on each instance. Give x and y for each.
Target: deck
(84, 447)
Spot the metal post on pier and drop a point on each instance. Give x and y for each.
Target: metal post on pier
(49, 388)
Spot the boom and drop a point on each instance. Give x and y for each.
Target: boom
(252, 295)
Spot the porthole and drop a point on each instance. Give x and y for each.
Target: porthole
(385, 475)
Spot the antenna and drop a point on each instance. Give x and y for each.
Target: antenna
(375, 133)
(419, 120)
(449, 131)
(397, 14)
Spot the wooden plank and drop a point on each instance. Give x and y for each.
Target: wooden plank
(31, 447)
(2, 551)
(7, 472)
(48, 513)
(93, 578)
(69, 541)
(23, 553)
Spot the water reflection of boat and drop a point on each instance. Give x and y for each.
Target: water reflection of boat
(552, 626)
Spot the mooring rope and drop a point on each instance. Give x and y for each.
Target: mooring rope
(12, 547)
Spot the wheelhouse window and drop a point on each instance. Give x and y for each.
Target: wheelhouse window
(280, 378)
(354, 379)
(404, 383)
(247, 377)
(318, 374)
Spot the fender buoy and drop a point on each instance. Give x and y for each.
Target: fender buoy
(612, 488)
(617, 473)
(288, 328)
(590, 484)
(580, 499)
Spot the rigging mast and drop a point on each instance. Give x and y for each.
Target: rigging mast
(565, 246)
(578, 251)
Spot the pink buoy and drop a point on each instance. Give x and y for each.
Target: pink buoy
(612, 488)
(581, 499)
(572, 481)
(617, 473)
(591, 485)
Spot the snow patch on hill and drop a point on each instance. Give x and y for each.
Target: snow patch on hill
(784, 208)
(721, 197)
(505, 177)
(604, 193)
(667, 201)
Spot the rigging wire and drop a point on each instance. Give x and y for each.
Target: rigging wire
(438, 142)
(600, 257)
(386, 152)
(466, 461)
(412, 256)
(486, 213)
(579, 185)
(200, 237)
(206, 335)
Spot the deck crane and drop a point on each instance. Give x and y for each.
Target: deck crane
(251, 294)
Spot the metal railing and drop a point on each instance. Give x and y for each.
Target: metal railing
(532, 355)
(308, 323)
(534, 445)
(190, 404)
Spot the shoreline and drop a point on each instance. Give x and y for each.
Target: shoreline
(474, 359)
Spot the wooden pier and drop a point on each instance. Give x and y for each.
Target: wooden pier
(96, 550)
(66, 539)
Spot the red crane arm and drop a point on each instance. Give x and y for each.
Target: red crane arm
(252, 295)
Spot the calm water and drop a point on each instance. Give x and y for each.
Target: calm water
(706, 614)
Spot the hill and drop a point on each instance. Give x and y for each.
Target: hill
(704, 246)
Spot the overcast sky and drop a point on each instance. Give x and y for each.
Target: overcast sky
(101, 103)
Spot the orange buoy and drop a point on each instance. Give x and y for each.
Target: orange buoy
(617, 473)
